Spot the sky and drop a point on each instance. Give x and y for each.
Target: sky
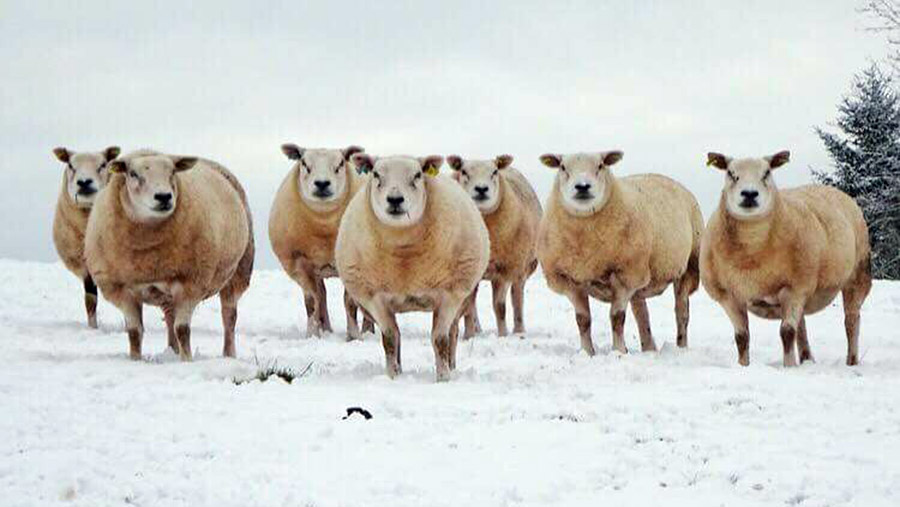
(665, 82)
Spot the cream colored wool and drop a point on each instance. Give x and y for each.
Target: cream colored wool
(645, 237)
(431, 265)
(205, 247)
(790, 261)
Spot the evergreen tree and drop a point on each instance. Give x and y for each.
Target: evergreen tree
(866, 156)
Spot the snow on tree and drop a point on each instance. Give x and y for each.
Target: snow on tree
(866, 157)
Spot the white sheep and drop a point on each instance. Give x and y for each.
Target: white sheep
(411, 241)
(783, 254)
(618, 240)
(512, 213)
(86, 174)
(170, 231)
(303, 227)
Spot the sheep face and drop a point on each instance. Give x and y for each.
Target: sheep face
(480, 179)
(150, 184)
(397, 191)
(86, 173)
(322, 177)
(749, 190)
(583, 179)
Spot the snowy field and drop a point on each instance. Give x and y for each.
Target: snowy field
(525, 421)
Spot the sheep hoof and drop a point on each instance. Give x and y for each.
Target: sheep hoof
(744, 361)
(392, 371)
(852, 360)
(92, 322)
(229, 352)
(790, 361)
(807, 357)
(648, 347)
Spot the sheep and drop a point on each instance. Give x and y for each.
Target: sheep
(511, 212)
(618, 240)
(171, 231)
(86, 174)
(303, 227)
(411, 241)
(783, 254)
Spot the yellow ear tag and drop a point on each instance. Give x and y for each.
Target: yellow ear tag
(431, 170)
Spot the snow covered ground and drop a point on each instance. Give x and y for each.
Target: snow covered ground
(525, 422)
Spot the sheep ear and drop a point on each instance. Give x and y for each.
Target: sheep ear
(111, 153)
(611, 157)
(363, 162)
(292, 151)
(717, 160)
(431, 165)
(62, 154)
(455, 162)
(503, 161)
(184, 163)
(551, 160)
(778, 159)
(349, 151)
(117, 166)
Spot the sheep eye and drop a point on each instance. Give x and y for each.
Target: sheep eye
(732, 177)
(562, 168)
(495, 173)
(303, 163)
(768, 173)
(132, 174)
(339, 166)
(464, 173)
(415, 179)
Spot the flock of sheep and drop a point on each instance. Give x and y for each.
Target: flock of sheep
(172, 231)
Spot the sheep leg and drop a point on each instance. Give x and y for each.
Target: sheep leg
(803, 349)
(471, 315)
(617, 321)
(134, 323)
(518, 302)
(390, 338)
(313, 327)
(582, 306)
(183, 314)
(854, 294)
(169, 314)
(229, 322)
(683, 289)
(440, 338)
(322, 308)
(738, 316)
(350, 308)
(500, 289)
(90, 301)
(793, 312)
(642, 316)
(368, 322)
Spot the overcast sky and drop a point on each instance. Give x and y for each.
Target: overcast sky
(664, 81)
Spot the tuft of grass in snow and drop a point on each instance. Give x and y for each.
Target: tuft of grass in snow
(271, 369)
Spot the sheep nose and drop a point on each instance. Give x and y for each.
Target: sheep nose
(749, 195)
(85, 183)
(482, 190)
(322, 184)
(582, 187)
(395, 201)
(163, 197)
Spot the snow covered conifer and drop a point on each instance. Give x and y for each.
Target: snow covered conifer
(866, 156)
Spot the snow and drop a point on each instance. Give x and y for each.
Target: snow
(525, 422)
